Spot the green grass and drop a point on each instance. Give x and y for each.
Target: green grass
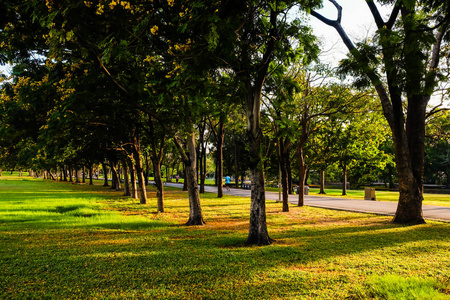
(69, 241)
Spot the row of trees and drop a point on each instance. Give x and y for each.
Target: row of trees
(107, 81)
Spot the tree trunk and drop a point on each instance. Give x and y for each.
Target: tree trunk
(147, 169)
(126, 178)
(220, 138)
(77, 175)
(301, 177)
(115, 177)
(140, 173)
(159, 184)
(344, 179)
(84, 175)
(409, 147)
(91, 175)
(105, 174)
(195, 210)
(322, 182)
(283, 154)
(134, 191)
(258, 233)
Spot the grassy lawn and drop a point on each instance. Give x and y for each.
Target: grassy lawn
(68, 241)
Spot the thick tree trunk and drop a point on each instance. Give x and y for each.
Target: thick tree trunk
(115, 177)
(409, 157)
(105, 174)
(258, 233)
(77, 175)
(322, 182)
(301, 177)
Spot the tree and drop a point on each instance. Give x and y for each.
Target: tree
(410, 45)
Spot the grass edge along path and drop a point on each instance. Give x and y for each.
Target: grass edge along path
(66, 241)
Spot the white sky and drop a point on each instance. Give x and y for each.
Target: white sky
(356, 20)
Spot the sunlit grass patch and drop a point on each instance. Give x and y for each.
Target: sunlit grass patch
(87, 242)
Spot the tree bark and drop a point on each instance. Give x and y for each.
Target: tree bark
(322, 182)
(258, 233)
(139, 172)
(301, 177)
(159, 184)
(344, 179)
(77, 175)
(189, 160)
(91, 175)
(115, 177)
(105, 174)
(283, 154)
(126, 184)
(134, 190)
(220, 136)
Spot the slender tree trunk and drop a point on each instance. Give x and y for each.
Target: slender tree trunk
(134, 190)
(91, 179)
(283, 154)
(220, 138)
(147, 169)
(61, 171)
(195, 210)
(159, 184)
(70, 174)
(140, 174)
(322, 181)
(84, 175)
(301, 177)
(344, 178)
(126, 191)
(289, 172)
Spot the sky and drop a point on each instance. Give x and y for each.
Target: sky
(356, 20)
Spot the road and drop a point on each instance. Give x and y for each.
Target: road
(430, 212)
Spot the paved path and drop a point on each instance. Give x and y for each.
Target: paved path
(430, 212)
